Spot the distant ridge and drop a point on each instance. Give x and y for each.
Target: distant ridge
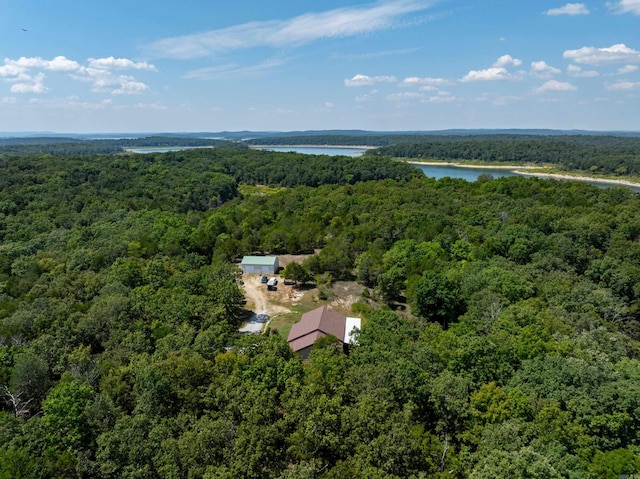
(247, 134)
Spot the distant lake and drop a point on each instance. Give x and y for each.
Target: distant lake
(317, 150)
(472, 173)
(163, 149)
(469, 174)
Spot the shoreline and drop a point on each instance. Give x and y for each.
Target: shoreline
(519, 170)
(352, 147)
(590, 179)
(462, 165)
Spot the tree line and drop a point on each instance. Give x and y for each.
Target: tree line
(598, 154)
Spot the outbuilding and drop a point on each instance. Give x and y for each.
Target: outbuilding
(260, 264)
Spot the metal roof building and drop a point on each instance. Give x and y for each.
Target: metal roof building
(318, 323)
(260, 264)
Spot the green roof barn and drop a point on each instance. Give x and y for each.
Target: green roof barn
(259, 264)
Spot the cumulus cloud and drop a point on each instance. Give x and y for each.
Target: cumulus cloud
(59, 63)
(441, 97)
(119, 85)
(541, 69)
(576, 71)
(423, 82)
(507, 60)
(554, 85)
(35, 85)
(622, 85)
(627, 69)
(569, 9)
(120, 64)
(404, 96)
(497, 71)
(297, 31)
(618, 53)
(24, 74)
(488, 74)
(625, 6)
(365, 80)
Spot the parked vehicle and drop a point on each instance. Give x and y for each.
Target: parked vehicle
(264, 280)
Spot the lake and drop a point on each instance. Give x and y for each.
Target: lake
(469, 174)
(153, 149)
(317, 150)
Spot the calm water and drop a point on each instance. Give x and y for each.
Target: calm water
(163, 150)
(469, 174)
(317, 150)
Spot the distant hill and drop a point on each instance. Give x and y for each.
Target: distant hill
(50, 137)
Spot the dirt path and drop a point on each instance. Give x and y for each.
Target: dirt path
(257, 300)
(256, 294)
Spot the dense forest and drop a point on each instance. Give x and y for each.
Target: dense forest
(500, 338)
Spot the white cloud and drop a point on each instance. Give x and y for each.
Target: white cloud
(423, 82)
(118, 85)
(233, 70)
(367, 56)
(120, 64)
(363, 98)
(23, 64)
(627, 69)
(569, 9)
(618, 53)
(576, 71)
(149, 106)
(97, 71)
(488, 74)
(364, 80)
(625, 6)
(10, 70)
(36, 85)
(9, 100)
(541, 69)
(505, 100)
(441, 97)
(507, 60)
(405, 96)
(554, 85)
(300, 30)
(328, 104)
(622, 85)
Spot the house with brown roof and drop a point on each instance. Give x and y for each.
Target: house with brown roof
(320, 322)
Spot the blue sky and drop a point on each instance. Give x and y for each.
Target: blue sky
(197, 65)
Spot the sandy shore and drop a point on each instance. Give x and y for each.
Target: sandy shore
(462, 165)
(521, 170)
(361, 147)
(580, 178)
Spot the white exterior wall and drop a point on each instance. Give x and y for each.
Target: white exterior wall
(260, 268)
(351, 324)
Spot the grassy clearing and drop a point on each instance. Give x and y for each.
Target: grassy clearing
(249, 190)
